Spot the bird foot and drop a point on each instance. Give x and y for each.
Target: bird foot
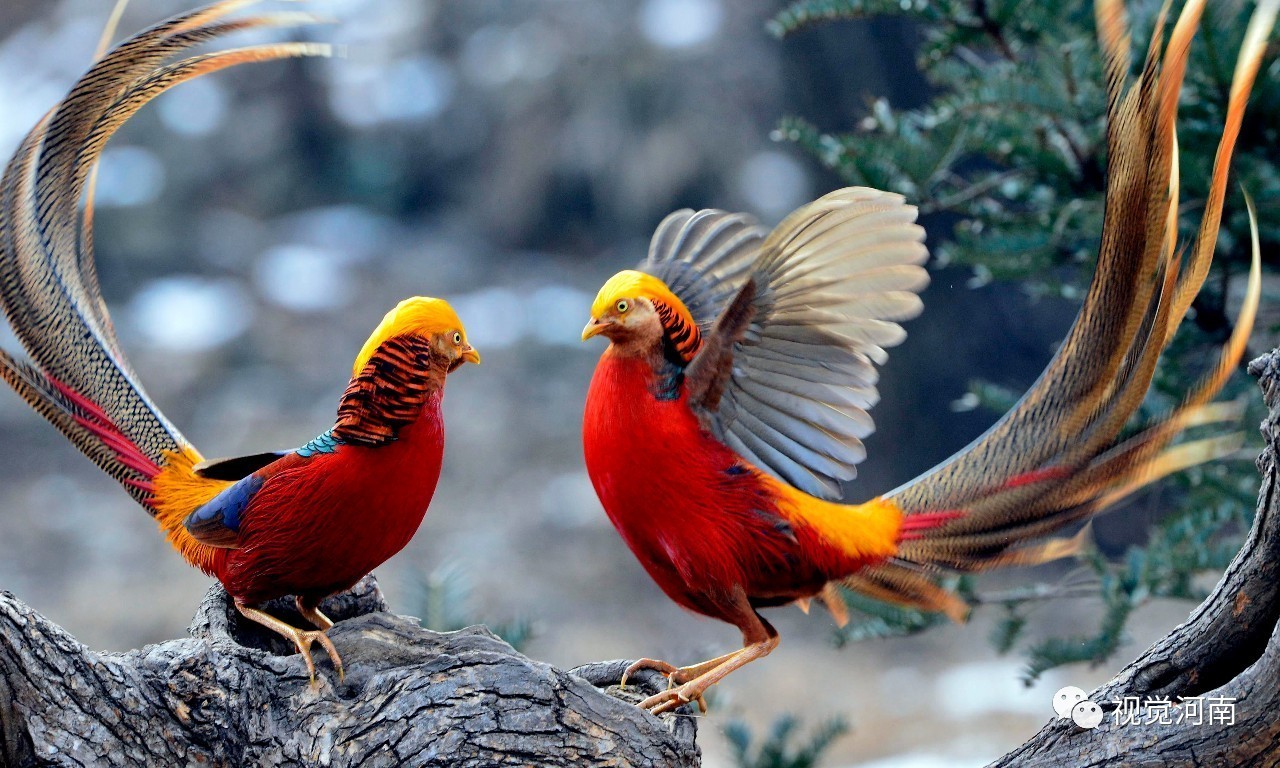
(670, 670)
(674, 698)
(676, 676)
(696, 679)
(302, 640)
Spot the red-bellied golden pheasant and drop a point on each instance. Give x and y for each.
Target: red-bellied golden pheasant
(308, 522)
(732, 400)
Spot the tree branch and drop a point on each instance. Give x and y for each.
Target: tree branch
(233, 694)
(1229, 647)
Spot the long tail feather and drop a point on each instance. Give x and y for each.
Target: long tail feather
(78, 377)
(1056, 457)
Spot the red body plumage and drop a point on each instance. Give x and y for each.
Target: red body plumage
(320, 523)
(700, 520)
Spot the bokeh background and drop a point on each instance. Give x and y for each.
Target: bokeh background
(509, 156)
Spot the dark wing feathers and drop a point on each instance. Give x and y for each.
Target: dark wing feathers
(787, 380)
(236, 467)
(706, 375)
(48, 284)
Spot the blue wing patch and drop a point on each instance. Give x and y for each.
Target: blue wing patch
(217, 523)
(325, 443)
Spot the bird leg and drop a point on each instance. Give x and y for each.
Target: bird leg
(675, 675)
(693, 689)
(312, 614)
(301, 640)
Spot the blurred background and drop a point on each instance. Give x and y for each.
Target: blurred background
(255, 225)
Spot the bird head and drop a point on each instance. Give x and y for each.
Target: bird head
(430, 319)
(629, 309)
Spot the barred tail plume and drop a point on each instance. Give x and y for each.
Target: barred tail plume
(77, 375)
(1057, 456)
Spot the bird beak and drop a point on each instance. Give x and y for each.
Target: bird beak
(594, 328)
(470, 355)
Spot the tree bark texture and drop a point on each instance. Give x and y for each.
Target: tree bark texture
(1228, 649)
(234, 694)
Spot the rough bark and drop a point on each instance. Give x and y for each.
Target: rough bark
(1228, 647)
(234, 695)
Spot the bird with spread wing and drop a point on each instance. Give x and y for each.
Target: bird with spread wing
(307, 522)
(733, 398)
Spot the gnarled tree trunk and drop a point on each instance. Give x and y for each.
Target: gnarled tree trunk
(232, 695)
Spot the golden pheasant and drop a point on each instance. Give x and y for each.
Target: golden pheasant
(308, 522)
(732, 400)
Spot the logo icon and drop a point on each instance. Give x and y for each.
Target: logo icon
(1065, 699)
(1086, 714)
(1070, 703)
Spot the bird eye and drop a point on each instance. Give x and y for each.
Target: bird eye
(457, 337)
(622, 306)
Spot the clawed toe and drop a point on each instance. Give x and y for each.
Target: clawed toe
(686, 684)
(302, 640)
(303, 643)
(666, 668)
(674, 698)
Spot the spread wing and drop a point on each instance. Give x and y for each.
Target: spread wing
(787, 373)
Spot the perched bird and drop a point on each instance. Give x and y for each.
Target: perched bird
(732, 400)
(308, 522)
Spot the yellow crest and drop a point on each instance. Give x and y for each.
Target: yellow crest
(418, 315)
(630, 284)
(677, 321)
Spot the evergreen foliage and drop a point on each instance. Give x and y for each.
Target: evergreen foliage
(783, 746)
(1012, 146)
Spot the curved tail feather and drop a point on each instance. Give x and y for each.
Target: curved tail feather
(78, 377)
(1056, 457)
